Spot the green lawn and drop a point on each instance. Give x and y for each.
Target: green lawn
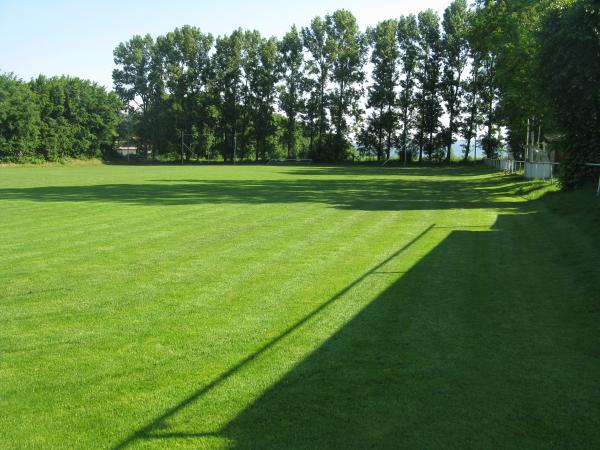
(296, 307)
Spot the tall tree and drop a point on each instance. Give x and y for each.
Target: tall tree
(570, 78)
(471, 108)
(187, 67)
(382, 92)
(318, 67)
(136, 84)
(227, 87)
(455, 52)
(408, 35)
(346, 49)
(291, 67)
(250, 61)
(260, 60)
(487, 85)
(507, 35)
(428, 75)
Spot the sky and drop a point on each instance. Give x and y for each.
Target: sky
(77, 37)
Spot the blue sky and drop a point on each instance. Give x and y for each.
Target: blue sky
(77, 37)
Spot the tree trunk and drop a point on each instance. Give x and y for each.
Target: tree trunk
(389, 132)
(291, 130)
(450, 126)
(421, 146)
(380, 135)
(467, 149)
(321, 118)
(257, 148)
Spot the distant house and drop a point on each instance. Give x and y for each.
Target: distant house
(127, 150)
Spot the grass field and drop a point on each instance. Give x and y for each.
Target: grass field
(296, 307)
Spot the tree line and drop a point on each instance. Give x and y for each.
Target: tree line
(483, 74)
(547, 74)
(251, 97)
(56, 118)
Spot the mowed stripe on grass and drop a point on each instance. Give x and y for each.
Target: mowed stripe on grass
(168, 306)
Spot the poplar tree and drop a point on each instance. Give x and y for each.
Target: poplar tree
(187, 68)
(227, 87)
(428, 75)
(291, 67)
(408, 35)
(382, 96)
(318, 67)
(455, 52)
(260, 76)
(346, 49)
(138, 86)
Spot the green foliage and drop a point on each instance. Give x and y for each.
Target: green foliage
(539, 64)
(428, 100)
(408, 36)
(185, 59)
(138, 84)
(227, 86)
(56, 118)
(19, 119)
(570, 77)
(455, 57)
(79, 118)
(472, 106)
(318, 67)
(260, 70)
(346, 48)
(291, 92)
(382, 98)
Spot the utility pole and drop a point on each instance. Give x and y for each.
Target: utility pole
(182, 147)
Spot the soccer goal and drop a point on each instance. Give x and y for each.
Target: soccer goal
(289, 162)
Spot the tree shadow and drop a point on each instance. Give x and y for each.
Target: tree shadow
(354, 194)
(443, 358)
(432, 170)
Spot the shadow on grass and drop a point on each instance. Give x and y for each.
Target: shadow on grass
(505, 357)
(147, 431)
(432, 170)
(356, 194)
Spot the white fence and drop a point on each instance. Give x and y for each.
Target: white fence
(531, 170)
(539, 170)
(508, 165)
